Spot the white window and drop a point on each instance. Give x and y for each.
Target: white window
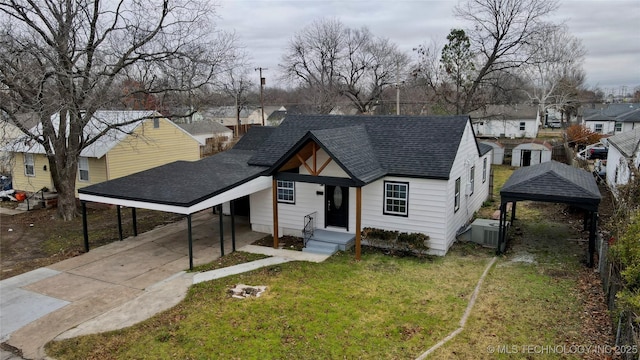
(286, 191)
(456, 200)
(484, 170)
(83, 169)
(598, 128)
(618, 127)
(396, 197)
(29, 165)
(522, 126)
(472, 179)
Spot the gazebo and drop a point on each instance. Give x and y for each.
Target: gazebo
(552, 182)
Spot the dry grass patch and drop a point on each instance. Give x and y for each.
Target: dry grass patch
(380, 307)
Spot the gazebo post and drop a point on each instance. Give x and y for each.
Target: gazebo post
(85, 230)
(592, 237)
(500, 228)
(119, 221)
(587, 215)
(190, 237)
(233, 225)
(513, 211)
(221, 231)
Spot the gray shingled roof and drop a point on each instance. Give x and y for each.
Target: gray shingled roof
(627, 142)
(182, 183)
(413, 146)
(552, 182)
(254, 138)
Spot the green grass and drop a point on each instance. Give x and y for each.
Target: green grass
(500, 175)
(380, 307)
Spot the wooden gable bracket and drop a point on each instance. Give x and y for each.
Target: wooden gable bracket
(308, 151)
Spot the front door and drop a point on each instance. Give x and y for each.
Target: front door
(336, 206)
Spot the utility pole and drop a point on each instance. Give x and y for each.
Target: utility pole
(261, 92)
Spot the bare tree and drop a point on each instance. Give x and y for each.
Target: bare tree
(554, 70)
(331, 61)
(236, 84)
(499, 33)
(69, 57)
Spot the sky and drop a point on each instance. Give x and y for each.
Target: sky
(609, 30)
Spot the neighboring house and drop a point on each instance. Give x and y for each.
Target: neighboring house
(8, 135)
(510, 121)
(276, 117)
(532, 153)
(498, 152)
(212, 136)
(416, 174)
(146, 143)
(227, 116)
(624, 152)
(614, 119)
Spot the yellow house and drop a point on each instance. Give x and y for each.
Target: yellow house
(147, 142)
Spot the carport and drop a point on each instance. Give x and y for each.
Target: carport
(552, 182)
(181, 187)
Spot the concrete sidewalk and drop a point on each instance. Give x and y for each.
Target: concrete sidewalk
(119, 284)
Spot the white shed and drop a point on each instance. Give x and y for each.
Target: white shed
(498, 152)
(531, 154)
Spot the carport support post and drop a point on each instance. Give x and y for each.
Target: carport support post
(135, 221)
(85, 230)
(592, 237)
(119, 221)
(221, 230)
(190, 237)
(274, 192)
(233, 225)
(358, 220)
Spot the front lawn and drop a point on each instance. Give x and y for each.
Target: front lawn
(380, 307)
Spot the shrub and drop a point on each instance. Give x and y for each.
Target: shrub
(416, 243)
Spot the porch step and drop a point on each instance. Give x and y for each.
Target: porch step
(319, 247)
(329, 242)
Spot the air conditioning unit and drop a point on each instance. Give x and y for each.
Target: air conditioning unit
(485, 232)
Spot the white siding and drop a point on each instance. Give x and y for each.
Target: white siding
(466, 157)
(608, 127)
(506, 128)
(427, 210)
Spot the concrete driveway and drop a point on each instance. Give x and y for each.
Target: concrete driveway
(143, 274)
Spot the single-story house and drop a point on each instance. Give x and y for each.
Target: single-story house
(510, 121)
(532, 153)
(211, 135)
(332, 174)
(624, 152)
(149, 141)
(614, 119)
(498, 151)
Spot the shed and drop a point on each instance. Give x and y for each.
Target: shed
(551, 182)
(498, 152)
(532, 153)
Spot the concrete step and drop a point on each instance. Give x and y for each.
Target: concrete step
(343, 240)
(319, 247)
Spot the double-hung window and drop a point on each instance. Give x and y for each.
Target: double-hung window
(598, 128)
(523, 126)
(396, 198)
(472, 179)
(29, 165)
(83, 169)
(456, 199)
(618, 127)
(286, 191)
(484, 170)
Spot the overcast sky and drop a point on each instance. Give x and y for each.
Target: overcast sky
(609, 29)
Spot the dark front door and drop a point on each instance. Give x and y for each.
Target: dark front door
(336, 206)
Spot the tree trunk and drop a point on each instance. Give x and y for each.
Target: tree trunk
(67, 209)
(64, 173)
